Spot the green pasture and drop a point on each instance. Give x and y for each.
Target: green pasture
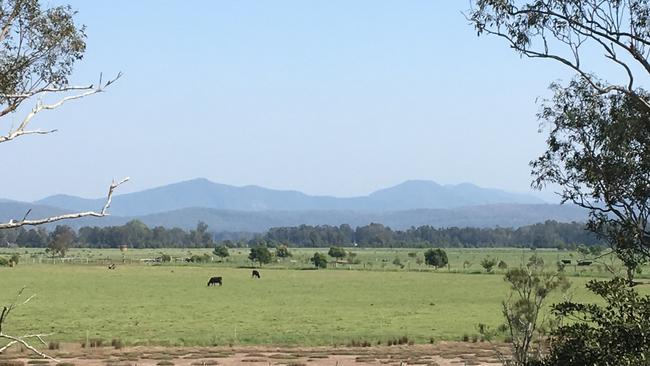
(461, 260)
(374, 300)
(172, 305)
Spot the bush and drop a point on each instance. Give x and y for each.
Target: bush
(282, 251)
(260, 254)
(319, 260)
(436, 258)
(3, 262)
(165, 258)
(617, 333)
(117, 343)
(488, 263)
(337, 252)
(502, 265)
(221, 251)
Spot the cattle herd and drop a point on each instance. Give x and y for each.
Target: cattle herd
(213, 281)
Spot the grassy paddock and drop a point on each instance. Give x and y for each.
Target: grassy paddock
(461, 260)
(171, 305)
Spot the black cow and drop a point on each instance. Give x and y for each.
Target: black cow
(566, 261)
(256, 274)
(584, 263)
(214, 280)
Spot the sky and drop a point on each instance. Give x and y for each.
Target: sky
(328, 97)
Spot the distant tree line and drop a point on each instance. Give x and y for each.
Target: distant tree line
(550, 234)
(135, 234)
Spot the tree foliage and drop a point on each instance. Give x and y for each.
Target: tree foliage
(530, 286)
(337, 252)
(221, 251)
(319, 260)
(38, 49)
(488, 263)
(599, 153)
(614, 333)
(281, 251)
(575, 32)
(61, 240)
(436, 258)
(260, 254)
(549, 234)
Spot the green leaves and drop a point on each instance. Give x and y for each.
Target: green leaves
(615, 333)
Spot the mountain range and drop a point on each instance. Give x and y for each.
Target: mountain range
(253, 208)
(413, 194)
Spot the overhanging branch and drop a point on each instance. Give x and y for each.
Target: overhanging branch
(104, 212)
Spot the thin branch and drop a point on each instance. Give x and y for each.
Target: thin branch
(14, 224)
(27, 345)
(22, 128)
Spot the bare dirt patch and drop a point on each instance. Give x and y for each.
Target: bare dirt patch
(439, 354)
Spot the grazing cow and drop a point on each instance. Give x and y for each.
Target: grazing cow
(214, 280)
(111, 266)
(566, 261)
(584, 263)
(256, 274)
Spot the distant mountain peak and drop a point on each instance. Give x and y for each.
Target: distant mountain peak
(201, 192)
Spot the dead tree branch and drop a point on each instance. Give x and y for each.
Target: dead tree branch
(22, 130)
(25, 339)
(104, 212)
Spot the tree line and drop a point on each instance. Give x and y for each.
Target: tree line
(135, 234)
(550, 234)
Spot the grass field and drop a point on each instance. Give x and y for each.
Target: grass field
(170, 304)
(461, 260)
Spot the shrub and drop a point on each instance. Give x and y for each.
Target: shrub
(117, 343)
(282, 251)
(319, 260)
(614, 334)
(3, 262)
(260, 254)
(502, 265)
(488, 263)
(221, 251)
(337, 252)
(436, 258)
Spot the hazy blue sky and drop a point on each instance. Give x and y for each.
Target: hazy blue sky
(326, 97)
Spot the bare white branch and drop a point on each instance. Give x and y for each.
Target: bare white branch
(21, 340)
(21, 130)
(14, 224)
